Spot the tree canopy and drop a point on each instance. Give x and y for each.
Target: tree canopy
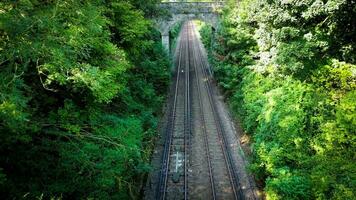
(288, 69)
(82, 84)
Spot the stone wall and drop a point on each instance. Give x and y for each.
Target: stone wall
(184, 11)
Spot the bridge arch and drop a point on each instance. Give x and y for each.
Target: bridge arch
(166, 26)
(207, 12)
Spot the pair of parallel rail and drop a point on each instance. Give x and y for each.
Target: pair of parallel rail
(177, 142)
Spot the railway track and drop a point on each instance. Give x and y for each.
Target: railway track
(221, 171)
(173, 179)
(196, 161)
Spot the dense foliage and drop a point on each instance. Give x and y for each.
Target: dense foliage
(173, 34)
(289, 71)
(81, 86)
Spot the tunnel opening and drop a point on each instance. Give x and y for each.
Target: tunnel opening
(170, 32)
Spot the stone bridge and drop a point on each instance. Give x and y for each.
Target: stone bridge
(182, 11)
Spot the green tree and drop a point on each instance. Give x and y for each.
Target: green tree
(288, 70)
(81, 87)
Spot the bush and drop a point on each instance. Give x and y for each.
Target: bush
(281, 67)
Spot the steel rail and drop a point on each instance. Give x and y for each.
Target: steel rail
(227, 155)
(187, 117)
(202, 117)
(161, 193)
(237, 188)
